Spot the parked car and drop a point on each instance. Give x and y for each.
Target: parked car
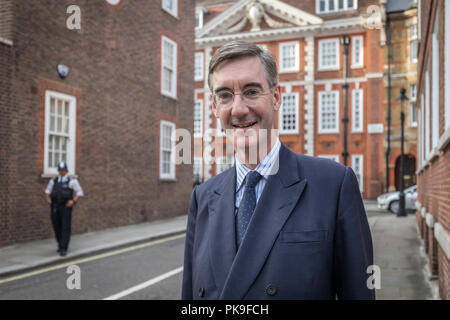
(390, 201)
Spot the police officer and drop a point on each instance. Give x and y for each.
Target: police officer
(60, 195)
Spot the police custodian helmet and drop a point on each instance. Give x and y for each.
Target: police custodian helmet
(62, 166)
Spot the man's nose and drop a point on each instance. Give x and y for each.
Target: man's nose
(239, 106)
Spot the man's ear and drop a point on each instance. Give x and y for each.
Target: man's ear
(276, 97)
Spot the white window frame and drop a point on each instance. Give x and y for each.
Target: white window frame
(336, 2)
(361, 111)
(173, 92)
(435, 82)
(282, 112)
(413, 104)
(199, 12)
(427, 112)
(198, 162)
(71, 143)
(263, 46)
(198, 66)
(224, 161)
(446, 65)
(198, 104)
(334, 157)
(420, 136)
(357, 60)
(171, 174)
(296, 66)
(323, 67)
(422, 126)
(413, 38)
(320, 98)
(174, 10)
(361, 174)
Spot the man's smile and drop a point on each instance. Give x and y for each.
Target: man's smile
(244, 125)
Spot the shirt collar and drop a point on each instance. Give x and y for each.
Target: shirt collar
(264, 168)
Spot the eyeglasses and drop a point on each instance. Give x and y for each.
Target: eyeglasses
(225, 98)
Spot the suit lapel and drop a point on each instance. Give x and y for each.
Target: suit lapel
(274, 207)
(222, 244)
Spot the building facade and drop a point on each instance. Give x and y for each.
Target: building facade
(433, 174)
(102, 85)
(400, 69)
(330, 63)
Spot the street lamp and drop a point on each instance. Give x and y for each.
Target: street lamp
(389, 59)
(345, 41)
(401, 210)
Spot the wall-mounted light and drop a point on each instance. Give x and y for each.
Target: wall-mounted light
(113, 2)
(63, 71)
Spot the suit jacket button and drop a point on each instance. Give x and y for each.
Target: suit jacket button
(201, 292)
(271, 290)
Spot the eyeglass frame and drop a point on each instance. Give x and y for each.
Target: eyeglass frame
(257, 85)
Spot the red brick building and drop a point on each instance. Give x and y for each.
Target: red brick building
(400, 69)
(433, 214)
(332, 102)
(111, 117)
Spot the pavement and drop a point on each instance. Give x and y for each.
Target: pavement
(398, 251)
(400, 255)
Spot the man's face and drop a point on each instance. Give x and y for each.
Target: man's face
(245, 118)
(62, 173)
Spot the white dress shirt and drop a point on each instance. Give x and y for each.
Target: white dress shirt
(268, 166)
(73, 184)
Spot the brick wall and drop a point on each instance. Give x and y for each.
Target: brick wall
(444, 276)
(434, 178)
(115, 72)
(6, 109)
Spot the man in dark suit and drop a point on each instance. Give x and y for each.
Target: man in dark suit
(285, 226)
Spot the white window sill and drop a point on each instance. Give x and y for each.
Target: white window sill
(337, 11)
(328, 69)
(293, 70)
(169, 95)
(443, 238)
(171, 13)
(443, 142)
(6, 41)
(328, 132)
(167, 179)
(357, 66)
(288, 132)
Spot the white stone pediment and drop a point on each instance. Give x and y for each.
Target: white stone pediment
(256, 15)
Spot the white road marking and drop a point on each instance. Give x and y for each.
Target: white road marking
(144, 284)
(96, 257)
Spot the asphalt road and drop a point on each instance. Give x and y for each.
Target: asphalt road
(150, 271)
(156, 268)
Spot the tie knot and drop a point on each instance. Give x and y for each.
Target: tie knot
(252, 179)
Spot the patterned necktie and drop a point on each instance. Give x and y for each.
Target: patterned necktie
(247, 205)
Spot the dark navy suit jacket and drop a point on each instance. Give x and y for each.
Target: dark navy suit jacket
(308, 237)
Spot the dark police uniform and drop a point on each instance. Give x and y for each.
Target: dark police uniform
(60, 190)
(60, 214)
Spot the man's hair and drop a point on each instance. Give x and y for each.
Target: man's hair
(238, 49)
